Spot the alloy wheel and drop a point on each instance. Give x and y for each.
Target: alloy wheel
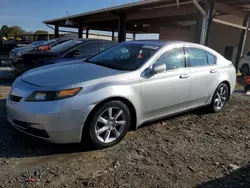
(110, 125)
(221, 97)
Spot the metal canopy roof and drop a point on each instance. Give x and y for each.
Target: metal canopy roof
(148, 15)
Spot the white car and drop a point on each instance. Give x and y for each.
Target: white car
(244, 64)
(121, 88)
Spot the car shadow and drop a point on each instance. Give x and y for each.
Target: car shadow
(14, 143)
(238, 178)
(7, 82)
(198, 111)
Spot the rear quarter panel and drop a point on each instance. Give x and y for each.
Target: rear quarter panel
(227, 73)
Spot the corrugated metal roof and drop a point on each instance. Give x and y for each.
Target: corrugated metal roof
(118, 7)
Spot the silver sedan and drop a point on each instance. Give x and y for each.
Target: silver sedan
(103, 97)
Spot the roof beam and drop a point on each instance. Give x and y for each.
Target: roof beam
(167, 19)
(229, 9)
(162, 12)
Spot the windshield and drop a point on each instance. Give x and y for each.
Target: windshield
(65, 46)
(125, 56)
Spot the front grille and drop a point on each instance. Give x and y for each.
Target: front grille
(25, 127)
(15, 98)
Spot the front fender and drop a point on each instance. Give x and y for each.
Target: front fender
(90, 97)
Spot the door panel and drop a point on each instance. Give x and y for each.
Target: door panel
(203, 83)
(168, 92)
(204, 75)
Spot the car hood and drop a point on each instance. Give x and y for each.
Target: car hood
(67, 73)
(25, 49)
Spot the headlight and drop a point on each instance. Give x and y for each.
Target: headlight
(53, 95)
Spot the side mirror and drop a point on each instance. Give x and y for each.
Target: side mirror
(158, 68)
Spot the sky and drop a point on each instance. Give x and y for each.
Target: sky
(29, 14)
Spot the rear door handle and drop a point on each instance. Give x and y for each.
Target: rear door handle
(213, 71)
(184, 76)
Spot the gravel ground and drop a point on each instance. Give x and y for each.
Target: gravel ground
(195, 149)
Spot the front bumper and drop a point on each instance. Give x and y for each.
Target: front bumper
(54, 121)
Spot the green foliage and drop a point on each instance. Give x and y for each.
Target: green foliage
(5, 31)
(16, 31)
(41, 32)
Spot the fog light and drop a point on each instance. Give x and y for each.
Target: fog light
(37, 126)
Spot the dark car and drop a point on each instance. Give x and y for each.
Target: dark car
(31, 44)
(17, 53)
(67, 51)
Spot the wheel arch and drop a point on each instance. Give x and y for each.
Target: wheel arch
(129, 104)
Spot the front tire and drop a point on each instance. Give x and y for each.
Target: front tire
(220, 98)
(109, 124)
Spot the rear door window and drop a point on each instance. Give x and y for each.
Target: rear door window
(197, 57)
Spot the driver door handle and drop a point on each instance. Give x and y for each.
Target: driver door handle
(213, 71)
(184, 76)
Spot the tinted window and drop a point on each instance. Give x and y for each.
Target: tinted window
(197, 57)
(90, 48)
(124, 56)
(173, 59)
(49, 42)
(211, 59)
(106, 45)
(65, 46)
(62, 41)
(36, 43)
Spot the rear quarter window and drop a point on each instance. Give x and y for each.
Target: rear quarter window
(211, 59)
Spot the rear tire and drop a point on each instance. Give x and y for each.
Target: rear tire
(220, 98)
(108, 125)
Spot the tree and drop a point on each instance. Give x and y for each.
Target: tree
(16, 31)
(41, 32)
(5, 31)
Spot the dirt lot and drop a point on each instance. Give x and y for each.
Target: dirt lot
(195, 149)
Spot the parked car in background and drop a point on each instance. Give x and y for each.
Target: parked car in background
(69, 50)
(31, 44)
(17, 53)
(117, 90)
(244, 64)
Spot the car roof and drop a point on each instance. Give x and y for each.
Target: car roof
(88, 39)
(148, 42)
(162, 43)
